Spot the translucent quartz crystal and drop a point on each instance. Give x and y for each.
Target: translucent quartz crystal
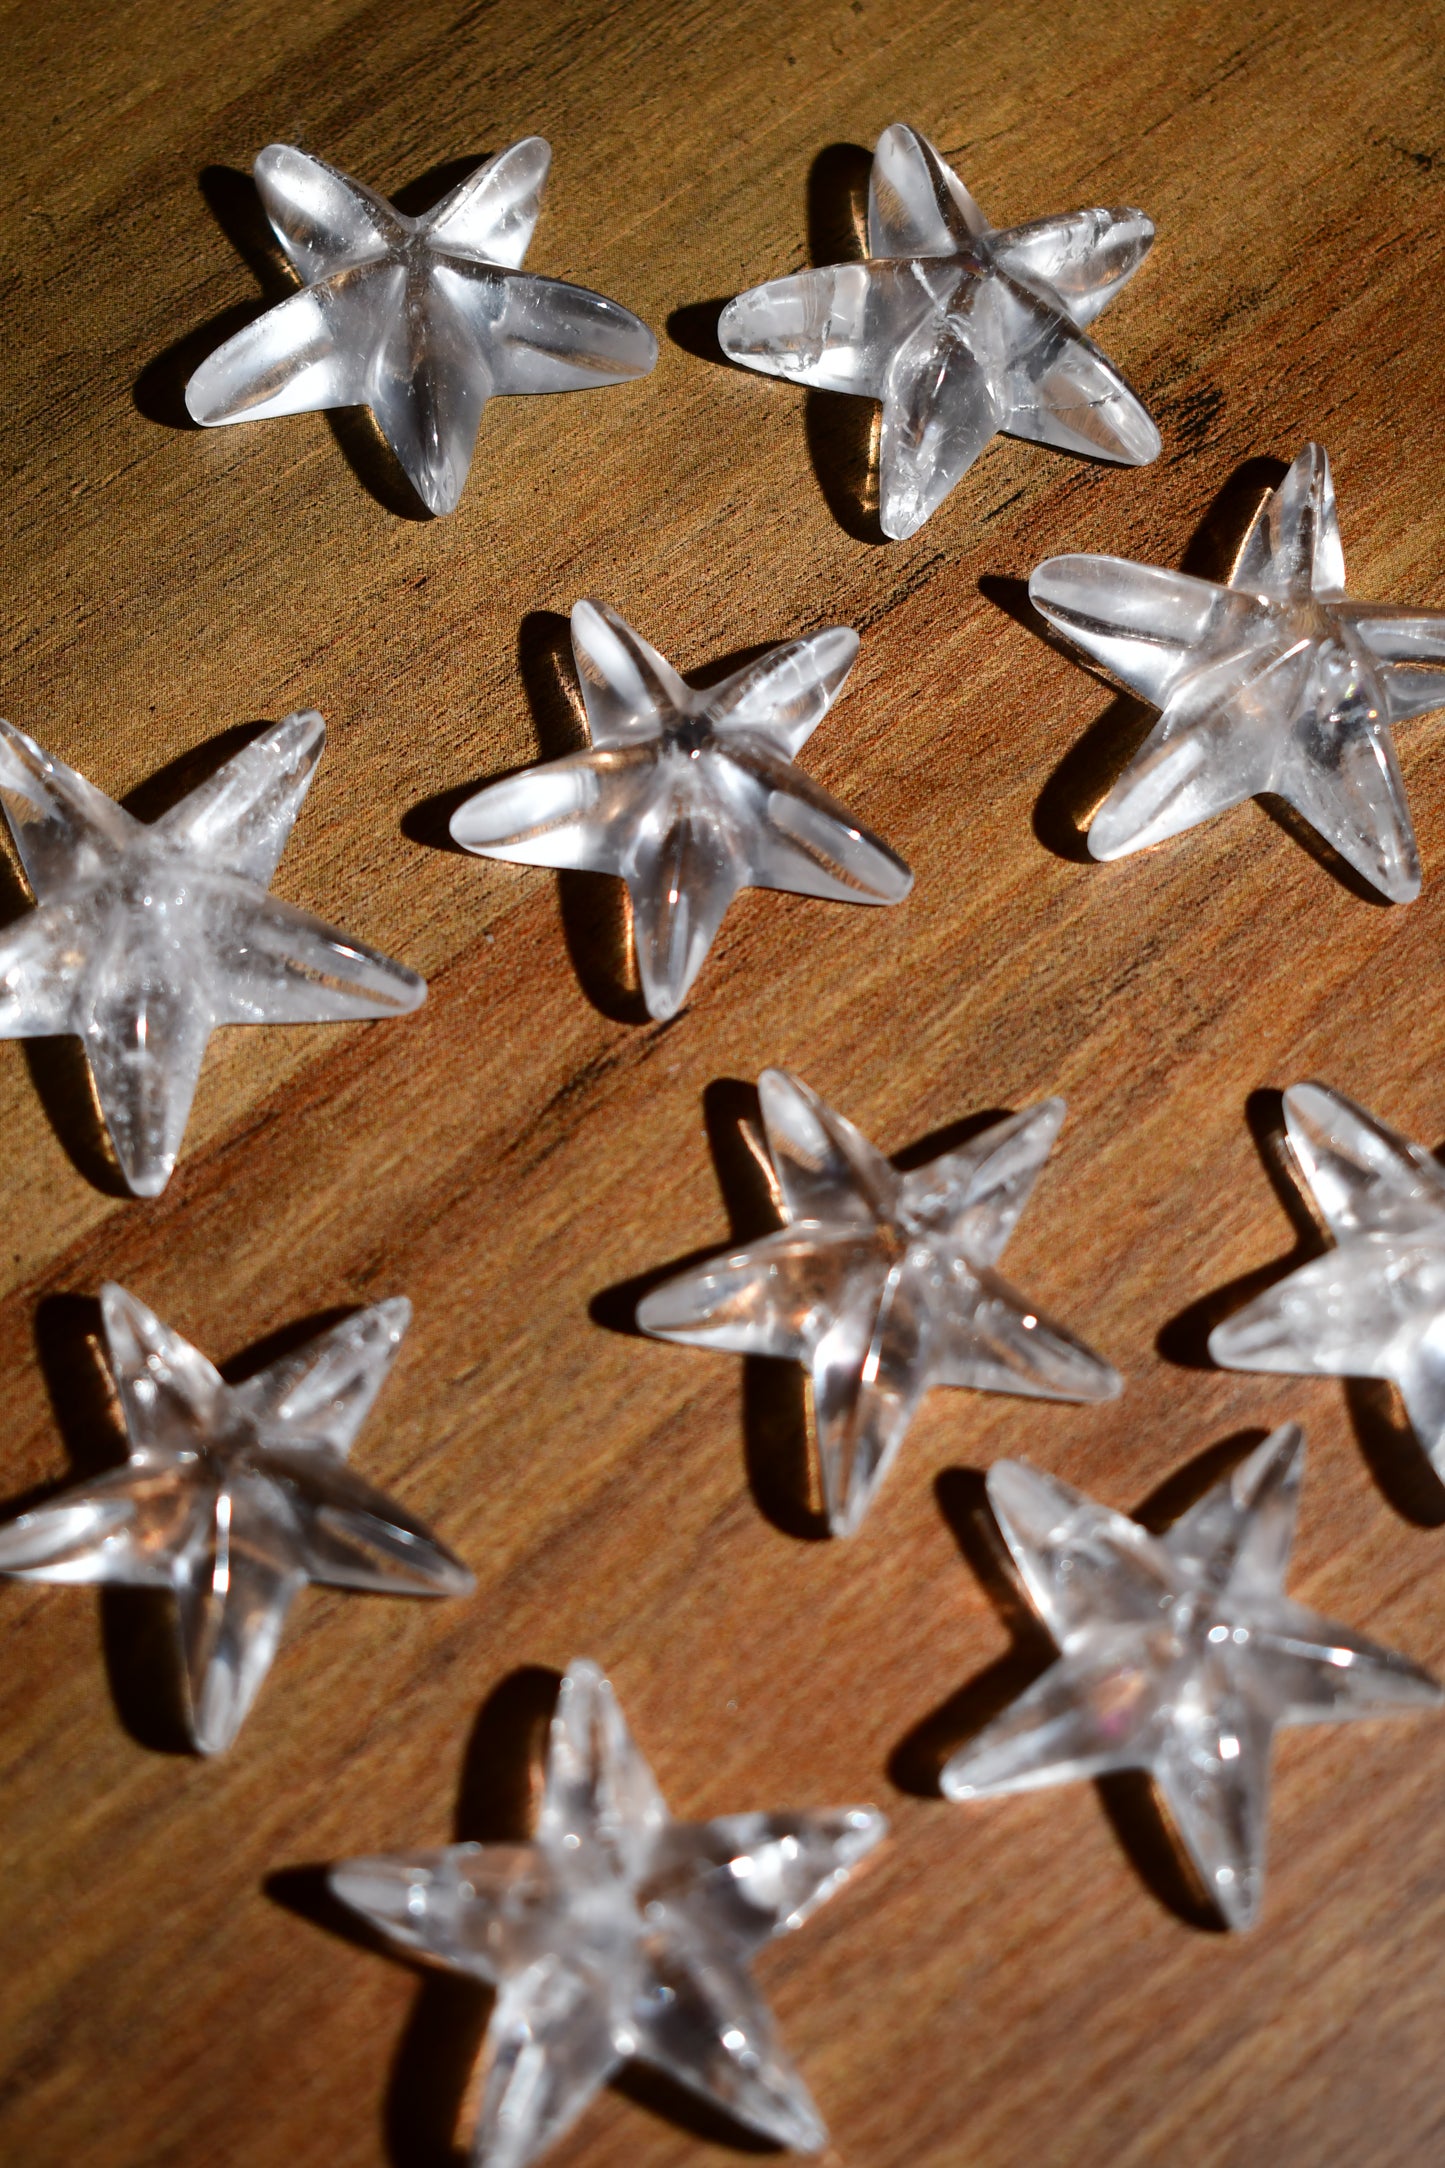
(1374, 1306)
(234, 1497)
(959, 329)
(883, 1284)
(689, 796)
(1276, 682)
(147, 939)
(421, 319)
(617, 1934)
(1179, 1655)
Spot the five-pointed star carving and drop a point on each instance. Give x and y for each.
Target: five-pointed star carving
(421, 319)
(147, 939)
(689, 796)
(234, 1497)
(1277, 681)
(1179, 1655)
(1374, 1306)
(883, 1284)
(960, 330)
(617, 1934)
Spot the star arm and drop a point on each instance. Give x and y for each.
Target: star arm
(836, 329)
(1099, 1709)
(762, 1300)
(1316, 1671)
(274, 964)
(542, 335)
(348, 1534)
(1240, 1533)
(124, 1529)
(1213, 1769)
(701, 2019)
(550, 2048)
(1062, 390)
(1085, 257)
(599, 1789)
(321, 1394)
(990, 1338)
(785, 694)
(1349, 788)
(1082, 1565)
(313, 351)
(492, 214)
(1354, 1313)
(682, 872)
(871, 1361)
(1362, 1177)
(45, 960)
(795, 836)
(66, 832)
(917, 205)
(145, 1037)
(1293, 550)
(583, 811)
(170, 1395)
(1146, 626)
(744, 1878)
(457, 1908)
(433, 374)
(240, 820)
(1407, 647)
(940, 408)
(631, 693)
(975, 1194)
(324, 221)
(232, 1601)
(826, 1169)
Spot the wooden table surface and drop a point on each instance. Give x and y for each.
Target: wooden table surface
(1024, 1982)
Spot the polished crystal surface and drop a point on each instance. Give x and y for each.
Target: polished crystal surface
(1179, 1655)
(617, 1934)
(234, 1497)
(959, 329)
(883, 1284)
(1374, 1305)
(421, 319)
(689, 796)
(147, 938)
(1277, 681)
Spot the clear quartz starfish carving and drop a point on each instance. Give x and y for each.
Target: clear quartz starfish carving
(1180, 1655)
(959, 329)
(616, 1935)
(147, 938)
(689, 796)
(1276, 682)
(234, 1497)
(883, 1284)
(421, 319)
(1374, 1305)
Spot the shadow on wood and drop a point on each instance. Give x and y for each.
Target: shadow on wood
(843, 432)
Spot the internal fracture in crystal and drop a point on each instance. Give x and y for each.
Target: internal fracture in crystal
(960, 329)
(147, 938)
(1179, 1655)
(1276, 682)
(617, 1934)
(689, 796)
(1374, 1305)
(423, 320)
(233, 1498)
(883, 1284)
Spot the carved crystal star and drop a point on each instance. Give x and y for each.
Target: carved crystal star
(421, 319)
(1277, 681)
(1373, 1306)
(689, 796)
(147, 938)
(883, 1284)
(1179, 1655)
(233, 1498)
(960, 330)
(616, 1935)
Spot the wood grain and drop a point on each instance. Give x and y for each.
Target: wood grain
(1023, 1983)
